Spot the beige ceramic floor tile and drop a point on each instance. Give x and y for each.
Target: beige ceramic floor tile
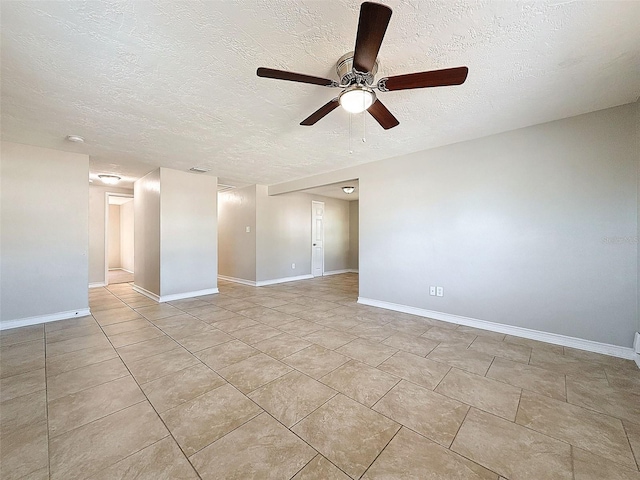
(23, 384)
(200, 341)
(330, 338)
(181, 326)
(321, 469)
(350, 435)
(566, 365)
(281, 345)
(123, 327)
(23, 411)
(113, 316)
(135, 336)
(409, 343)
(448, 335)
(460, 357)
(604, 360)
(481, 333)
(256, 333)
(535, 344)
(489, 395)
(500, 446)
(234, 323)
(87, 450)
(67, 333)
(411, 456)
(85, 377)
(174, 389)
(21, 335)
(72, 411)
(300, 328)
(253, 372)
(292, 397)
(261, 448)
(535, 379)
(315, 361)
(21, 358)
(145, 349)
(510, 351)
(162, 460)
(360, 382)
(595, 432)
(81, 358)
(201, 421)
(587, 466)
(428, 413)
(373, 332)
(226, 354)
(598, 395)
(371, 353)
(80, 343)
(633, 433)
(150, 368)
(158, 311)
(416, 369)
(24, 451)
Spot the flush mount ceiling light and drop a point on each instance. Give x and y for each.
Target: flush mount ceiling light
(348, 190)
(109, 179)
(75, 138)
(357, 99)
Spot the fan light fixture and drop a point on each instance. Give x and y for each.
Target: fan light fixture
(357, 99)
(348, 190)
(109, 179)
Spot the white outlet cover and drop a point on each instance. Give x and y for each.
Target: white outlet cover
(432, 291)
(293, 266)
(247, 229)
(440, 292)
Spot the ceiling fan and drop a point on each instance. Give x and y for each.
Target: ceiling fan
(357, 70)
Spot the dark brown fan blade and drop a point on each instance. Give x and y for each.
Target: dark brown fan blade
(294, 77)
(372, 26)
(320, 113)
(384, 117)
(434, 78)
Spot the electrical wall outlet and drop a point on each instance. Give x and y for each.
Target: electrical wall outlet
(440, 291)
(293, 266)
(432, 291)
(247, 229)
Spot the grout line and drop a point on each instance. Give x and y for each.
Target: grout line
(383, 449)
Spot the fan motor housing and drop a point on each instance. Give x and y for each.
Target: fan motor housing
(348, 76)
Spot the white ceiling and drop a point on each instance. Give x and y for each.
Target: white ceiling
(334, 190)
(173, 83)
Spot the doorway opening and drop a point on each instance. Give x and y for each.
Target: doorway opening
(317, 238)
(119, 239)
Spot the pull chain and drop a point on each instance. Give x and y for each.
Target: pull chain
(364, 126)
(350, 128)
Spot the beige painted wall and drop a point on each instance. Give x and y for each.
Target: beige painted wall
(146, 205)
(44, 231)
(113, 236)
(189, 232)
(97, 229)
(354, 211)
(513, 226)
(127, 236)
(283, 226)
(236, 246)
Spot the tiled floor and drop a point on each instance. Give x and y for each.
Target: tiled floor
(119, 276)
(298, 381)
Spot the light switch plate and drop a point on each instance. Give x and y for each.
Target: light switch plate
(432, 291)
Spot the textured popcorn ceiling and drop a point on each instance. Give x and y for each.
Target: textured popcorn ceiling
(173, 83)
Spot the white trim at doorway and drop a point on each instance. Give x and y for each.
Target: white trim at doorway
(106, 234)
(175, 296)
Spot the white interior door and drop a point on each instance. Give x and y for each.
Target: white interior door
(317, 239)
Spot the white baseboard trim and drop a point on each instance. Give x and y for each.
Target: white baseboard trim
(638, 360)
(180, 296)
(237, 280)
(97, 284)
(338, 272)
(120, 268)
(146, 293)
(557, 339)
(263, 283)
(175, 296)
(53, 317)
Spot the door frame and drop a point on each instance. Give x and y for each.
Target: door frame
(106, 230)
(313, 215)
